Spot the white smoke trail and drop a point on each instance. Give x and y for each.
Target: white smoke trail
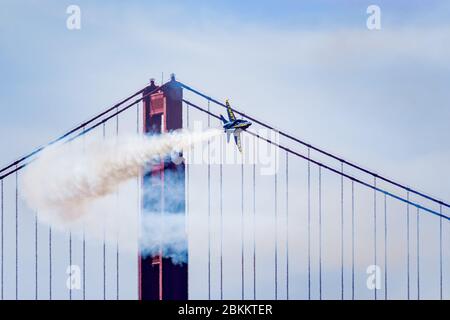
(70, 186)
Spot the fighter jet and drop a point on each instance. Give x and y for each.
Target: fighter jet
(234, 126)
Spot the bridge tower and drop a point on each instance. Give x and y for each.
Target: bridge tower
(159, 277)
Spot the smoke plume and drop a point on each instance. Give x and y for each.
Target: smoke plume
(71, 186)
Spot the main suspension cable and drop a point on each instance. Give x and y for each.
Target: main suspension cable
(320, 164)
(81, 126)
(284, 134)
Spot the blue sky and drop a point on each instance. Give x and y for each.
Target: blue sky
(392, 82)
(378, 98)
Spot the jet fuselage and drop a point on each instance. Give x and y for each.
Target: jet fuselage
(238, 124)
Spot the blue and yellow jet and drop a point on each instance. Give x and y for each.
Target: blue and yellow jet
(234, 126)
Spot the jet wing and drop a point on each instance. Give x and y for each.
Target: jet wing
(230, 112)
(237, 139)
(240, 125)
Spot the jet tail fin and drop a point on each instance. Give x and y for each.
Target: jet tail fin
(223, 119)
(228, 136)
(230, 112)
(237, 140)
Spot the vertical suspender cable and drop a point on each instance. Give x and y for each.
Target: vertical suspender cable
(342, 232)
(375, 230)
(118, 234)
(70, 264)
(254, 217)
(137, 118)
(309, 225)
(440, 253)
(187, 164)
(50, 262)
(138, 211)
(36, 256)
(104, 240)
(2, 238)
(187, 171)
(84, 238)
(84, 264)
(209, 209)
(353, 240)
(418, 253)
(276, 229)
(17, 237)
(407, 244)
(221, 217)
(320, 233)
(242, 231)
(287, 225)
(385, 250)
